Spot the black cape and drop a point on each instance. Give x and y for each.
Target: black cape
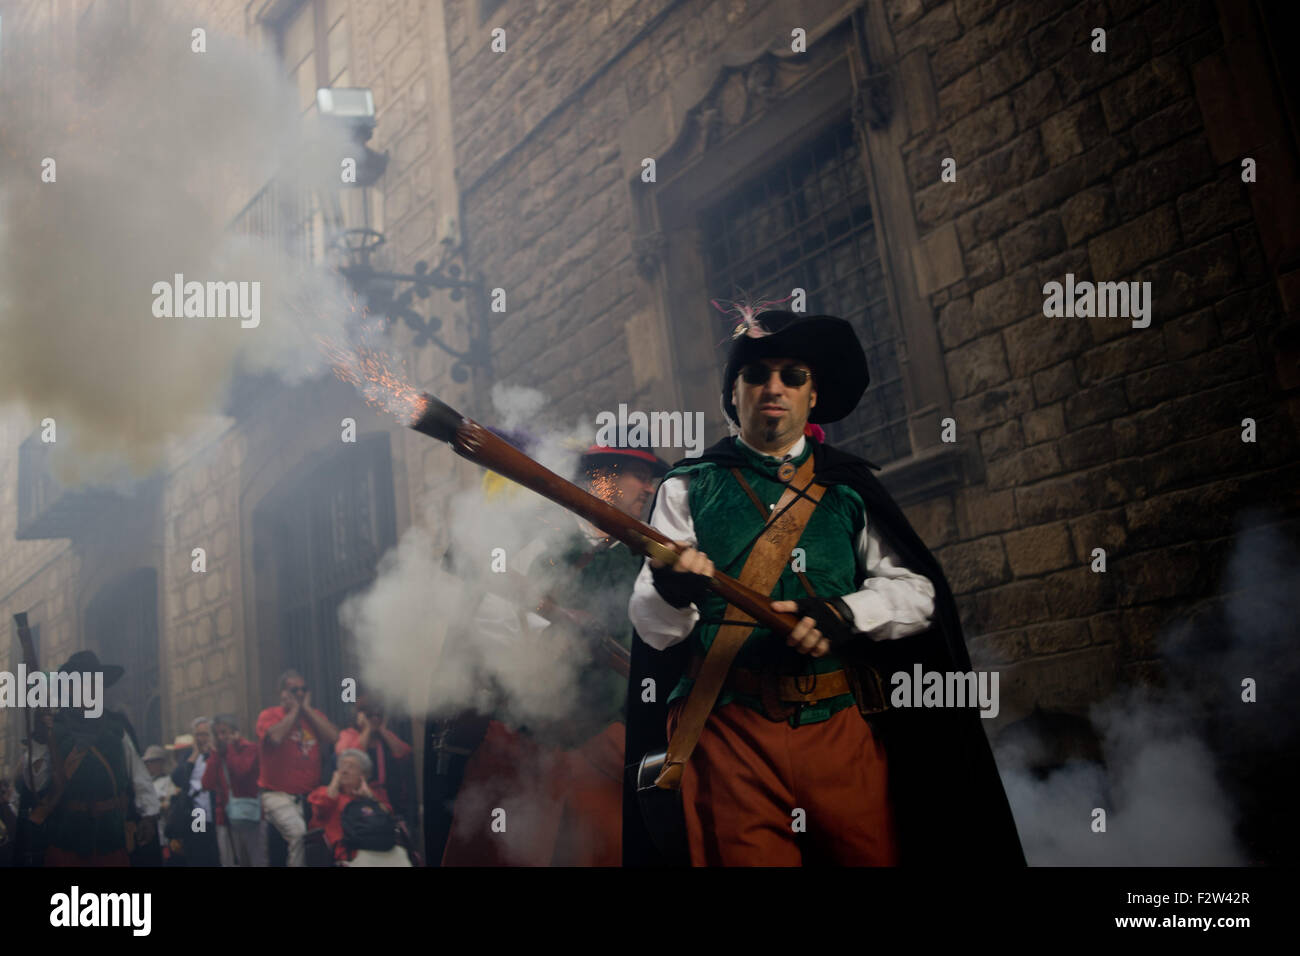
(949, 805)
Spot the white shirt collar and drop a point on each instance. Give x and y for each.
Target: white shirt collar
(793, 453)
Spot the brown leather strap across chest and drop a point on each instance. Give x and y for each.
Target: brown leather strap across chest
(767, 560)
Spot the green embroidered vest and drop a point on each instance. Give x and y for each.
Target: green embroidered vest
(727, 524)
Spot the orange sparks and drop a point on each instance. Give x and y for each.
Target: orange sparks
(378, 374)
(603, 487)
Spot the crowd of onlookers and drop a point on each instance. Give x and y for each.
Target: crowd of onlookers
(298, 789)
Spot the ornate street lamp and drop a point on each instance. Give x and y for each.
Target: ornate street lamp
(353, 239)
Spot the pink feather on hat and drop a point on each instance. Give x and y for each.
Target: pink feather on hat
(747, 313)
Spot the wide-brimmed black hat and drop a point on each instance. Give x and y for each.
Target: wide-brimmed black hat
(88, 661)
(605, 456)
(827, 343)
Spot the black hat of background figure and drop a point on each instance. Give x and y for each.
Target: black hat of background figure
(88, 662)
(827, 343)
(614, 458)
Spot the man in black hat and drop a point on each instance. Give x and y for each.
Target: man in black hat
(101, 804)
(794, 755)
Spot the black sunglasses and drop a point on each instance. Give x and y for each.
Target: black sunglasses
(792, 376)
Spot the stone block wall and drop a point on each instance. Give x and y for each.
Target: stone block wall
(1094, 434)
(1087, 433)
(201, 629)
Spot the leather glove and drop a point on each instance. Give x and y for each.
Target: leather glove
(679, 589)
(838, 629)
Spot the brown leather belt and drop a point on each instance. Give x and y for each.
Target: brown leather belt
(95, 809)
(790, 688)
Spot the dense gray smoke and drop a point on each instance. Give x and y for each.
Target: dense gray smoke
(1185, 763)
(433, 633)
(151, 150)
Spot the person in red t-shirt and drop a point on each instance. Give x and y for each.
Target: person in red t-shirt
(348, 783)
(231, 771)
(290, 738)
(389, 754)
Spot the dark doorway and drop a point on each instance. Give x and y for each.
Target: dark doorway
(318, 538)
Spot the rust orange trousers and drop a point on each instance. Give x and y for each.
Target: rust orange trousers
(749, 776)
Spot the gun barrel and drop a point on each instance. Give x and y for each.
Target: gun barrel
(475, 443)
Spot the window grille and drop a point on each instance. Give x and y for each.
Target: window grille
(327, 539)
(806, 222)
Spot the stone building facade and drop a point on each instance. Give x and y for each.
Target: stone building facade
(1071, 434)
(1018, 443)
(116, 572)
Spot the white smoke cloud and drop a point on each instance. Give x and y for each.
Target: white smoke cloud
(517, 404)
(1160, 792)
(156, 148)
(1167, 796)
(436, 633)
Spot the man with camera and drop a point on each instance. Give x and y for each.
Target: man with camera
(290, 738)
(231, 776)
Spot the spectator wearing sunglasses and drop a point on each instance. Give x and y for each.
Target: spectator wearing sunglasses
(290, 738)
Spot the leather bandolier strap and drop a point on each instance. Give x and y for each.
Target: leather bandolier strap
(762, 569)
(781, 694)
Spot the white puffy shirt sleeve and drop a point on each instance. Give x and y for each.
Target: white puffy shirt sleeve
(146, 797)
(892, 602)
(657, 622)
(39, 778)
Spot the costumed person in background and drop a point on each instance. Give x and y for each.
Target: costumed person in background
(802, 721)
(199, 842)
(33, 782)
(156, 759)
(97, 774)
(231, 777)
(142, 848)
(594, 577)
(391, 778)
(177, 821)
(561, 780)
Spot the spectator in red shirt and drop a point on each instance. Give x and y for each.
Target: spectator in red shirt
(348, 783)
(389, 754)
(290, 738)
(232, 772)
